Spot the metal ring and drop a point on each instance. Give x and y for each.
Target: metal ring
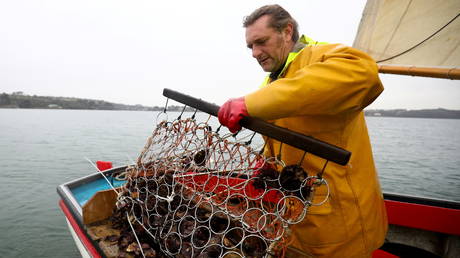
(193, 239)
(284, 201)
(247, 223)
(261, 227)
(180, 226)
(168, 251)
(227, 234)
(214, 215)
(323, 181)
(158, 116)
(246, 254)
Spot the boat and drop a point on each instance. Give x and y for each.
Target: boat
(419, 227)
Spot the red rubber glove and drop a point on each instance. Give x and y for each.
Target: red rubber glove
(231, 112)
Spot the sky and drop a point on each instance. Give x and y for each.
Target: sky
(128, 51)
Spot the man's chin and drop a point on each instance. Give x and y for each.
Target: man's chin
(267, 68)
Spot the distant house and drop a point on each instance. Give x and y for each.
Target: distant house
(54, 106)
(18, 93)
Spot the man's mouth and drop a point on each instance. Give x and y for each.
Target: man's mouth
(262, 60)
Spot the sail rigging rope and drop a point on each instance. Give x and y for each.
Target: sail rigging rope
(423, 41)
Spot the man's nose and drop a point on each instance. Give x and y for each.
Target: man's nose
(256, 52)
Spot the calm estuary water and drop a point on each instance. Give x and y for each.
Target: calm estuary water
(40, 149)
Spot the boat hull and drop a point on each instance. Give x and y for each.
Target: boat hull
(419, 227)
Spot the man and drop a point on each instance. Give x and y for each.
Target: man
(318, 90)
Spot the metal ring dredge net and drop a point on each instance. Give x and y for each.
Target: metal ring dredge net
(196, 193)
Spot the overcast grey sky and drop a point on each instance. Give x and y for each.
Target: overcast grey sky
(128, 51)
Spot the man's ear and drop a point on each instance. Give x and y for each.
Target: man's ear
(288, 31)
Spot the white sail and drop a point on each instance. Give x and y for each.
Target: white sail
(420, 33)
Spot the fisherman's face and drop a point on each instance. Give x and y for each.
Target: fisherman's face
(269, 46)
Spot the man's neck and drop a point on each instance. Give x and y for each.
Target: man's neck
(274, 75)
(294, 48)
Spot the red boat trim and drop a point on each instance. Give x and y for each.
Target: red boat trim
(437, 219)
(382, 254)
(86, 242)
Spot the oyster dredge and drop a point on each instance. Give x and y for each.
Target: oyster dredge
(199, 191)
(194, 192)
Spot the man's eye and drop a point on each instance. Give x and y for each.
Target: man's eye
(261, 42)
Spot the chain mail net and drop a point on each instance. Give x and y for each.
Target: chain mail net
(196, 193)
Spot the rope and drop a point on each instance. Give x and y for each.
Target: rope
(135, 235)
(102, 173)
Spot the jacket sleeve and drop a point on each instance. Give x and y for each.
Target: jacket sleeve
(337, 79)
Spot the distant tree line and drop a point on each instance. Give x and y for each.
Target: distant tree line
(421, 113)
(20, 100)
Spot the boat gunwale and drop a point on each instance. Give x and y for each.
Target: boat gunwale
(441, 203)
(72, 219)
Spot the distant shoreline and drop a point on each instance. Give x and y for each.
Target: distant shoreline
(427, 113)
(23, 101)
(170, 108)
(19, 100)
(421, 113)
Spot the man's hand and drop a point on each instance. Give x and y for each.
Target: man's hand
(231, 112)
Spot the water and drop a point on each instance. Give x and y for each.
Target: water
(417, 156)
(40, 149)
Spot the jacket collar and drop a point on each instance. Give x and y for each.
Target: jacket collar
(298, 47)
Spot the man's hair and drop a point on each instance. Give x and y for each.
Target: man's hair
(279, 19)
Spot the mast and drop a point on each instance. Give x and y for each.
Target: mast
(444, 73)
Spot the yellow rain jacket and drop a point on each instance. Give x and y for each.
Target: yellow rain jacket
(322, 93)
